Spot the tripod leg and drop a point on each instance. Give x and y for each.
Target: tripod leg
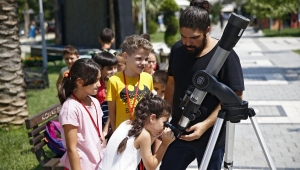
(228, 157)
(212, 140)
(261, 139)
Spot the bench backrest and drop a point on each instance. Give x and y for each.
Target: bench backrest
(37, 124)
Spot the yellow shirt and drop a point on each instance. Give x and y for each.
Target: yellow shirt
(116, 92)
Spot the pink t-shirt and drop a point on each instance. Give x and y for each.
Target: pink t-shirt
(73, 113)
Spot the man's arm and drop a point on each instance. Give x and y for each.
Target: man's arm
(199, 128)
(169, 93)
(112, 114)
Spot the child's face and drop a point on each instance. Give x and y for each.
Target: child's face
(160, 89)
(108, 71)
(92, 89)
(149, 68)
(156, 126)
(70, 59)
(121, 66)
(136, 62)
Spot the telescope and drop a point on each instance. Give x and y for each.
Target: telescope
(233, 108)
(193, 97)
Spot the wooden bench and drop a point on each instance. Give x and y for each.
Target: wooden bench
(36, 77)
(53, 53)
(37, 124)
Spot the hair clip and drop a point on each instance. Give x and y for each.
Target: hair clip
(66, 74)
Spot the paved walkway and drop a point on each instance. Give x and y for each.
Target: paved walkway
(272, 81)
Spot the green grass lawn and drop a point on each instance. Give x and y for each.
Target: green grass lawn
(159, 37)
(297, 51)
(14, 143)
(285, 32)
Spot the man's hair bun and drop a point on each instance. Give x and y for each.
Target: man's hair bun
(201, 4)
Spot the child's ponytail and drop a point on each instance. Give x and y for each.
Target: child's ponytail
(66, 88)
(85, 69)
(149, 104)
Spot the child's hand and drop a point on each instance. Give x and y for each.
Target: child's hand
(167, 136)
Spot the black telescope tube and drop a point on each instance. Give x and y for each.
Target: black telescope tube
(177, 132)
(233, 31)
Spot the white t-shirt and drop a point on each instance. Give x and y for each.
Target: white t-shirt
(128, 159)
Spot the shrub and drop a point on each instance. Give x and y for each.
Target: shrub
(152, 27)
(169, 7)
(32, 61)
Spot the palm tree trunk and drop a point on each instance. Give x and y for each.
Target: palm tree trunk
(13, 105)
(26, 19)
(112, 17)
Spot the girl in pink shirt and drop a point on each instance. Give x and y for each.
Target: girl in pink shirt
(81, 116)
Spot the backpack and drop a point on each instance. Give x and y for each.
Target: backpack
(53, 141)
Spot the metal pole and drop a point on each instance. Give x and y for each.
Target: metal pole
(144, 17)
(44, 47)
(262, 143)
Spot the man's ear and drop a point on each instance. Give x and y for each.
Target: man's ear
(100, 41)
(207, 30)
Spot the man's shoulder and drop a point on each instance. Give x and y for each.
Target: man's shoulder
(177, 45)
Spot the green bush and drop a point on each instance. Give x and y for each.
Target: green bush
(152, 27)
(170, 39)
(172, 23)
(215, 11)
(169, 7)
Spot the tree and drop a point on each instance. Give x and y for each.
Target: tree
(13, 106)
(169, 7)
(276, 9)
(152, 9)
(24, 6)
(215, 11)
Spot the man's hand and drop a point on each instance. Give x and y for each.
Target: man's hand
(197, 129)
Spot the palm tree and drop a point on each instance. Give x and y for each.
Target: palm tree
(13, 106)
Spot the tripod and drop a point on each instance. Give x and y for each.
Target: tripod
(233, 110)
(230, 129)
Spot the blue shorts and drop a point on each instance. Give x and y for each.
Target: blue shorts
(180, 154)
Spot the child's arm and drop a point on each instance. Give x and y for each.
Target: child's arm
(58, 81)
(105, 128)
(156, 145)
(112, 114)
(71, 142)
(152, 161)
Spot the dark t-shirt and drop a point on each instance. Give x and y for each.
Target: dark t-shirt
(181, 67)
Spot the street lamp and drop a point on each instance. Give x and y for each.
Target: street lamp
(44, 47)
(144, 17)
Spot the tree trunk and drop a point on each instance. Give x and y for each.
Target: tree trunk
(279, 26)
(112, 18)
(26, 19)
(13, 105)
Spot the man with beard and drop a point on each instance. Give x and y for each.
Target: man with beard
(192, 53)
